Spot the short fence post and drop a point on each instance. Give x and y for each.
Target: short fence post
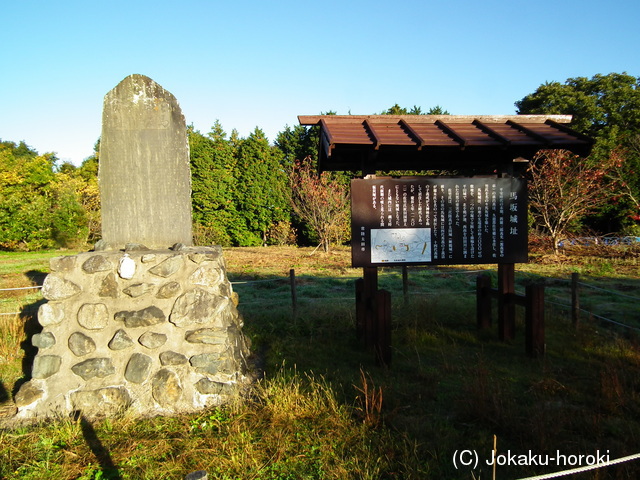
(575, 299)
(483, 301)
(383, 338)
(294, 295)
(534, 320)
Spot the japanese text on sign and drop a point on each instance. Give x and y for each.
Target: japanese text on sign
(438, 220)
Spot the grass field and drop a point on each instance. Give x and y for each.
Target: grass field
(325, 410)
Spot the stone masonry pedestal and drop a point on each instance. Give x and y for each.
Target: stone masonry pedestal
(145, 331)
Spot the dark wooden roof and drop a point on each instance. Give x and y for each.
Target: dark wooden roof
(369, 143)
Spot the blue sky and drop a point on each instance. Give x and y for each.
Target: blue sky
(250, 63)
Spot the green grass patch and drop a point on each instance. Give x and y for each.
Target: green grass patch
(325, 410)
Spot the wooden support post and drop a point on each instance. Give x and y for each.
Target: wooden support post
(575, 299)
(506, 301)
(383, 340)
(483, 301)
(534, 320)
(294, 295)
(360, 321)
(369, 291)
(405, 284)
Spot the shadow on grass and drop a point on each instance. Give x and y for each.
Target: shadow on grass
(451, 382)
(107, 467)
(36, 277)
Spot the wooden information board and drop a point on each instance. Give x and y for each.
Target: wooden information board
(440, 221)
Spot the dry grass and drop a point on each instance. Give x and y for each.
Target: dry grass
(450, 387)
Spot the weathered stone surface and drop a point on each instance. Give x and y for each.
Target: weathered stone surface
(102, 246)
(27, 394)
(168, 267)
(213, 254)
(45, 365)
(135, 247)
(172, 358)
(57, 288)
(152, 340)
(141, 318)
(93, 316)
(197, 475)
(208, 336)
(225, 289)
(126, 267)
(209, 387)
(120, 341)
(50, 314)
(139, 289)
(148, 257)
(97, 263)
(43, 340)
(207, 276)
(168, 290)
(80, 344)
(62, 264)
(195, 306)
(94, 367)
(206, 362)
(138, 368)
(109, 287)
(178, 247)
(166, 388)
(143, 130)
(102, 402)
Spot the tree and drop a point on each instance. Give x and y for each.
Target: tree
(25, 197)
(69, 218)
(297, 143)
(42, 204)
(261, 195)
(563, 188)
(415, 110)
(321, 200)
(604, 106)
(607, 108)
(213, 161)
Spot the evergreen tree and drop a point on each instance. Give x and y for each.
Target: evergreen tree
(261, 193)
(213, 164)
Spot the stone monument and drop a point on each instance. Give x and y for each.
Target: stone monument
(135, 325)
(145, 181)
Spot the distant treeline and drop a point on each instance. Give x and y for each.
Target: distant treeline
(249, 192)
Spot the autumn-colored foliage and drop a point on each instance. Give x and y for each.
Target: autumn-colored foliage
(563, 188)
(320, 200)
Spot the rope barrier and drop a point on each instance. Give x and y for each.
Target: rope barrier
(18, 288)
(583, 469)
(605, 319)
(261, 281)
(608, 291)
(599, 317)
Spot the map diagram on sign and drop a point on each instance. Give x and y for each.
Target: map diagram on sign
(394, 245)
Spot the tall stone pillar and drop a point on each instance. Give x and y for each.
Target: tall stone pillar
(145, 181)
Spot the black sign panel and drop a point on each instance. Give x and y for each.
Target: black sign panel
(445, 221)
